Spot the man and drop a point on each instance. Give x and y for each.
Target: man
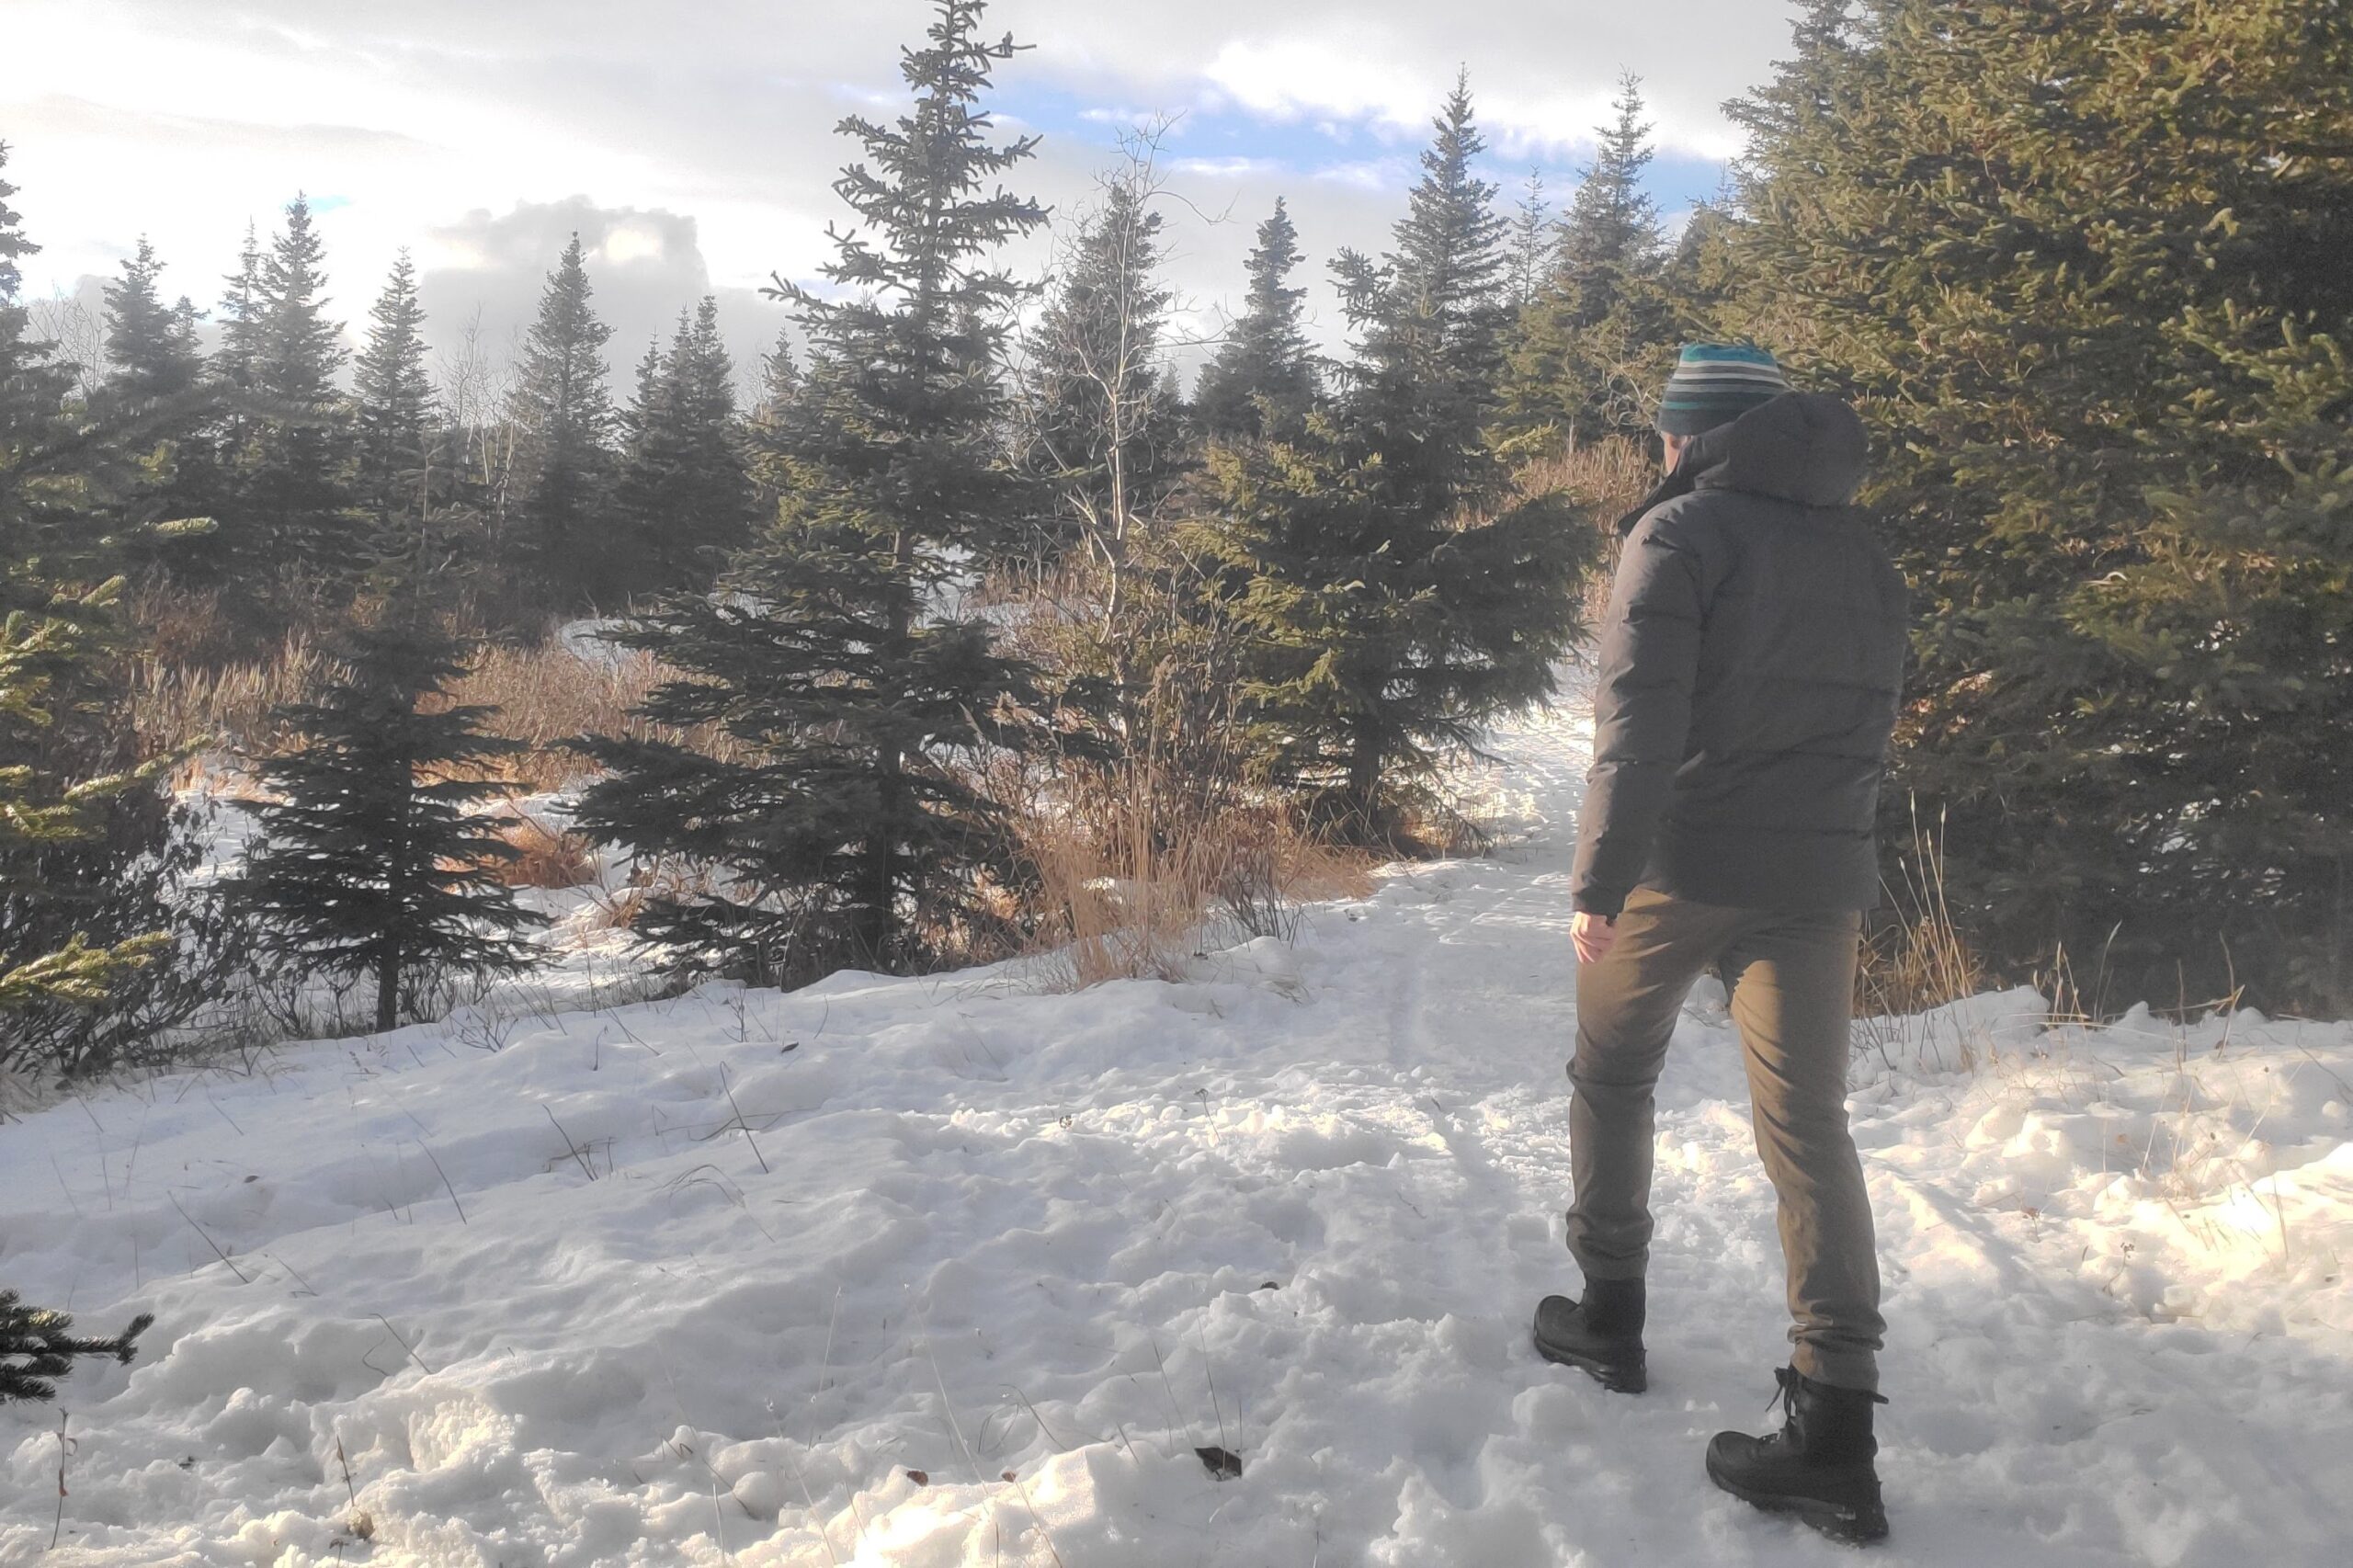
(1749, 672)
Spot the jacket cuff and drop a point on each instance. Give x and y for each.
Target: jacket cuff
(1592, 900)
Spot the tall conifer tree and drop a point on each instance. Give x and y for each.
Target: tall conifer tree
(2082, 264)
(293, 472)
(397, 417)
(54, 631)
(1397, 600)
(1265, 365)
(1429, 322)
(1594, 345)
(87, 959)
(241, 317)
(839, 832)
(210, 555)
(766, 433)
(153, 357)
(1610, 238)
(1532, 243)
(564, 466)
(684, 498)
(151, 345)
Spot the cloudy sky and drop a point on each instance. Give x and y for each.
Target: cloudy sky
(691, 142)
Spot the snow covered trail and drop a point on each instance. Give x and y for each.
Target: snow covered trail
(705, 1280)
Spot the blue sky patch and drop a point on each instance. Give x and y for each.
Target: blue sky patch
(1229, 141)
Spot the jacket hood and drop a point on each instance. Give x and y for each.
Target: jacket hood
(1804, 447)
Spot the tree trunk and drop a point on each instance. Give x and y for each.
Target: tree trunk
(388, 988)
(880, 927)
(1363, 797)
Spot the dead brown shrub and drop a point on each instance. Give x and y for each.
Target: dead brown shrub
(1139, 862)
(1126, 889)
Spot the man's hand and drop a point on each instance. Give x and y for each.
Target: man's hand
(1594, 935)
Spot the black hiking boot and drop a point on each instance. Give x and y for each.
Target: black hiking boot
(1818, 1466)
(1602, 1334)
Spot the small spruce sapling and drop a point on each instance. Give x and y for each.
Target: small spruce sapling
(37, 1346)
(370, 862)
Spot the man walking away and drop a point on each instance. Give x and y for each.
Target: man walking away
(1750, 665)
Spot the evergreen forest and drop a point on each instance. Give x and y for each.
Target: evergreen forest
(983, 594)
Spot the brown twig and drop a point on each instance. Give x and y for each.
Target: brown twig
(446, 1185)
(403, 1344)
(570, 1147)
(65, 1448)
(243, 1277)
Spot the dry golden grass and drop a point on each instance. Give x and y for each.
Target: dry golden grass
(1609, 476)
(545, 858)
(618, 909)
(1138, 870)
(1606, 478)
(1919, 959)
(174, 704)
(544, 696)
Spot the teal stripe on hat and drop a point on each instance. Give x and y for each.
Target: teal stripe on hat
(1714, 383)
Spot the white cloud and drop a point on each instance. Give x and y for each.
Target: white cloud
(1224, 168)
(1303, 77)
(1364, 173)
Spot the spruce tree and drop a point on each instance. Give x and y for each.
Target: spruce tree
(36, 522)
(37, 1346)
(153, 357)
(240, 351)
(1397, 596)
(1264, 369)
(766, 433)
(684, 500)
(1594, 343)
(208, 555)
(837, 825)
(2082, 264)
(48, 956)
(292, 473)
(565, 424)
(1430, 325)
(1533, 242)
(1610, 236)
(780, 381)
(151, 347)
(367, 861)
(91, 867)
(396, 419)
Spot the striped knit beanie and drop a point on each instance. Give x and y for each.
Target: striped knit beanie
(1715, 383)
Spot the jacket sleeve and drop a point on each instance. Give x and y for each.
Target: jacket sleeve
(1650, 660)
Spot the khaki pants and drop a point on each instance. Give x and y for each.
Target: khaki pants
(1791, 980)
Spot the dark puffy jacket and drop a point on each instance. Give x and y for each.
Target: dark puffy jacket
(1750, 668)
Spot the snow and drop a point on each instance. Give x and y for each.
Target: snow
(960, 1271)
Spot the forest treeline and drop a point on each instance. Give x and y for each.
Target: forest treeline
(2081, 265)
